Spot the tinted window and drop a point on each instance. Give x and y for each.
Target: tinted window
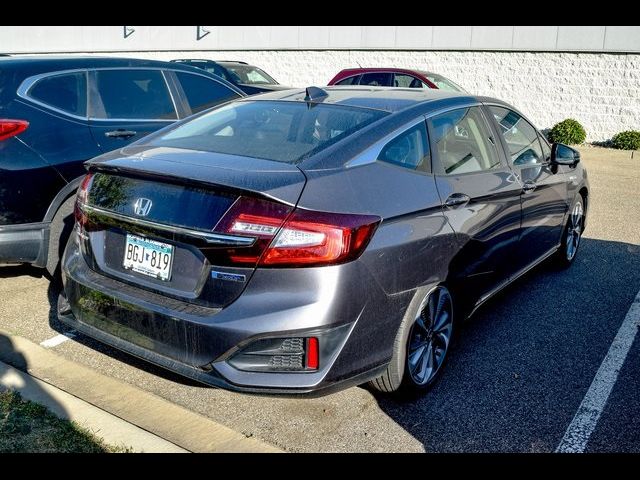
(463, 142)
(444, 84)
(349, 81)
(410, 149)
(282, 131)
(521, 137)
(546, 149)
(132, 94)
(202, 92)
(406, 81)
(376, 79)
(67, 92)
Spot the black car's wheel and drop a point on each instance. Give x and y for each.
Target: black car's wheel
(572, 234)
(421, 345)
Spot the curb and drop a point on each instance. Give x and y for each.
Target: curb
(173, 423)
(113, 430)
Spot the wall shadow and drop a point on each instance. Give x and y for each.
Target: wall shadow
(522, 364)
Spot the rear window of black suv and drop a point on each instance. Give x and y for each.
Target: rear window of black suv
(273, 130)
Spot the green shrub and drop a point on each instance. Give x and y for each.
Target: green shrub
(568, 131)
(629, 140)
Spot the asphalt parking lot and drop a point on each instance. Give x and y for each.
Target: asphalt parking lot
(514, 381)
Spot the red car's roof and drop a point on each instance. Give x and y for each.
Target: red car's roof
(348, 72)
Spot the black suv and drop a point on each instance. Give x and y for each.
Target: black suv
(249, 79)
(56, 112)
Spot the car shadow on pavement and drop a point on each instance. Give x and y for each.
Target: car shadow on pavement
(10, 271)
(522, 364)
(53, 292)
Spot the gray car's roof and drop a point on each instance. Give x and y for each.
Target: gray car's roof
(390, 99)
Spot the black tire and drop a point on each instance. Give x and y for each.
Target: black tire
(59, 232)
(419, 331)
(571, 234)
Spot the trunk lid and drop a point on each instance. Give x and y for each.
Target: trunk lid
(171, 200)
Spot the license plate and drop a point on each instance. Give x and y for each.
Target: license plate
(148, 257)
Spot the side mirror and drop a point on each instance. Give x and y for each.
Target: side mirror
(564, 155)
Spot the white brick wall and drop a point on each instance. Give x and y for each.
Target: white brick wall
(600, 90)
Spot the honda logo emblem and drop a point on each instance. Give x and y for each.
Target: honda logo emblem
(142, 207)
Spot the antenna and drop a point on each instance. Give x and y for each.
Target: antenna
(315, 94)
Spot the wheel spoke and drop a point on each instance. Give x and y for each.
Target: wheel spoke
(441, 339)
(415, 356)
(441, 321)
(425, 361)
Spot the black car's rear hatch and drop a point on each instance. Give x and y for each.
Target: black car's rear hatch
(183, 223)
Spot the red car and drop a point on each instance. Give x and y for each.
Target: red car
(394, 77)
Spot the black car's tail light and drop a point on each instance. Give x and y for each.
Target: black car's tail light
(10, 128)
(298, 238)
(81, 199)
(279, 355)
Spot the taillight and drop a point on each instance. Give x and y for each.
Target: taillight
(11, 128)
(81, 199)
(298, 238)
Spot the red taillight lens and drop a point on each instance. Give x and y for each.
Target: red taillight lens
(82, 198)
(11, 128)
(316, 238)
(286, 238)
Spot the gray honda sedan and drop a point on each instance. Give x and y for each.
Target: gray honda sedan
(308, 240)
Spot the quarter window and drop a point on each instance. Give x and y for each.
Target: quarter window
(521, 137)
(410, 149)
(463, 142)
(132, 94)
(202, 92)
(67, 92)
(349, 80)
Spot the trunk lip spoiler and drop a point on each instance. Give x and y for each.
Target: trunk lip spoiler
(212, 238)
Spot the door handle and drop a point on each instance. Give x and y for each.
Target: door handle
(529, 186)
(456, 200)
(120, 133)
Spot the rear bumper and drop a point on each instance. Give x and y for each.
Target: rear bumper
(197, 342)
(24, 243)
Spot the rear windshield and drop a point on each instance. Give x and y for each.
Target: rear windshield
(272, 130)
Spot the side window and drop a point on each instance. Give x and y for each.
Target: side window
(349, 80)
(546, 149)
(203, 92)
(376, 79)
(463, 142)
(67, 92)
(132, 94)
(406, 81)
(522, 139)
(410, 149)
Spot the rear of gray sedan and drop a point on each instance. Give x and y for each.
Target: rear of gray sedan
(260, 246)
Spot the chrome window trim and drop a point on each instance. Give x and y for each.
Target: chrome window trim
(370, 155)
(209, 237)
(28, 83)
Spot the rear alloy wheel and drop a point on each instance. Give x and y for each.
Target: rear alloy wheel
(421, 345)
(429, 339)
(572, 234)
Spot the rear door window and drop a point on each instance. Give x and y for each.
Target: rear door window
(406, 81)
(66, 92)
(134, 94)
(463, 142)
(202, 92)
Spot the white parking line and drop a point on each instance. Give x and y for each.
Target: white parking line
(584, 422)
(57, 340)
